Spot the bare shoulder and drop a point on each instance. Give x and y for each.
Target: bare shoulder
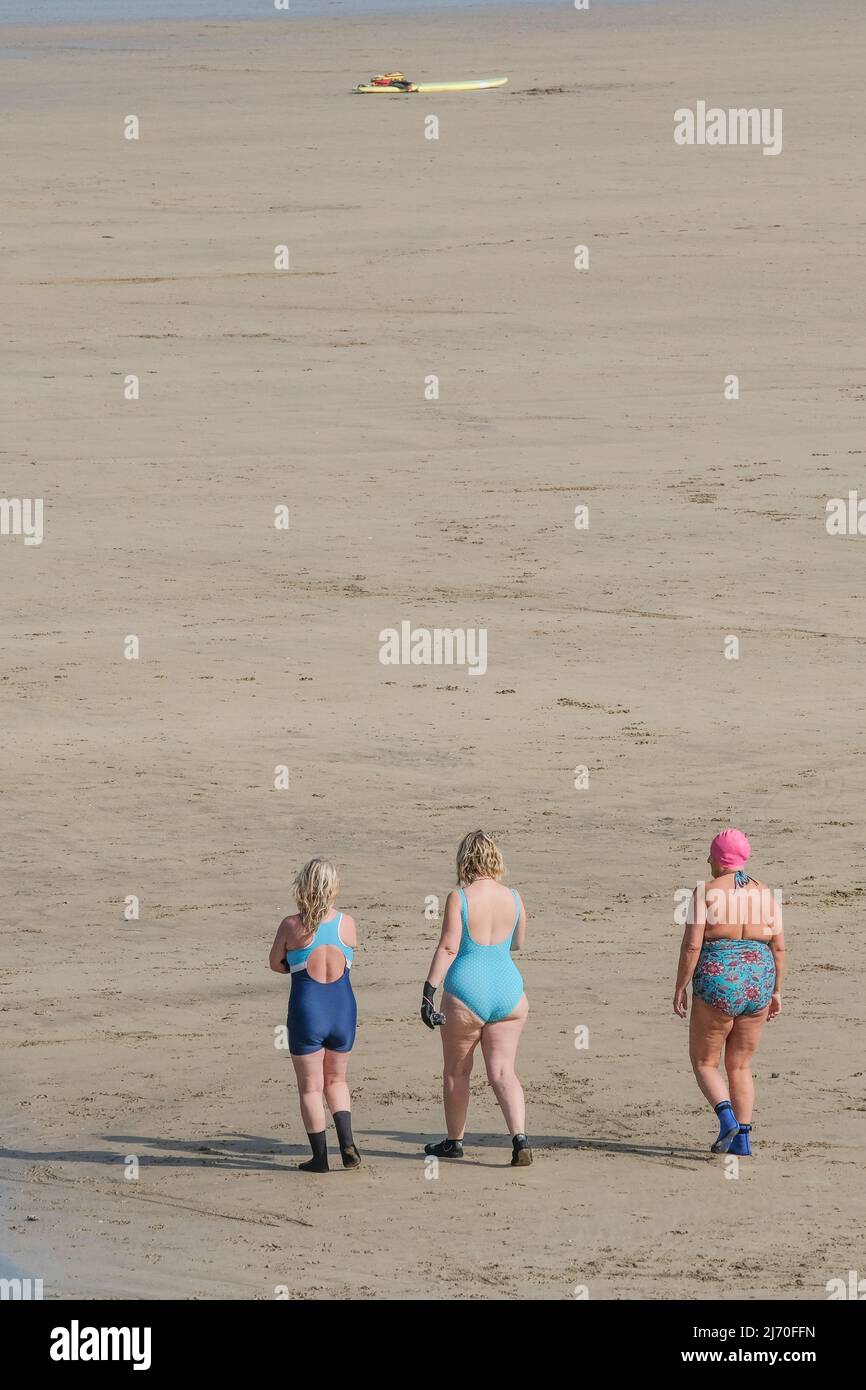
(452, 915)
(349, 929)
(453, 911)
(770, 898)
(764, 892)
(291, 926)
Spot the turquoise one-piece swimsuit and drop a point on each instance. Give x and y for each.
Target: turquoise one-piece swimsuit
(485, 978)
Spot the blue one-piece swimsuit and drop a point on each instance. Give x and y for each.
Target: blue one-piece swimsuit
(321, 1015)
(485, 978)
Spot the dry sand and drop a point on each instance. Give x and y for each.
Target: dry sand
(409, 257)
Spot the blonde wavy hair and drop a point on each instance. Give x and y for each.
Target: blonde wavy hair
(478, 857)
(316, 888)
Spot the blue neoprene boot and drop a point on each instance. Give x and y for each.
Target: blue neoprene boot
(729, 1127)
(741, 1145)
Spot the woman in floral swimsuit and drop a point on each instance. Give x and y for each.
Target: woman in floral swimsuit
(733, 954)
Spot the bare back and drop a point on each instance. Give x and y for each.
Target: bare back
(326, 963)
(491, 912)
(739, 914)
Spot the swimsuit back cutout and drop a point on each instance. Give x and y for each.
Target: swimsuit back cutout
(484, 977)
(505, 944)
(326, 934)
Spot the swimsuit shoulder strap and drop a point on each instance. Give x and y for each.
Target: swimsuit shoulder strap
(348, 951)
(298, 954)
(330, 930)
(329, 934)
(516, 911)
(464, 912)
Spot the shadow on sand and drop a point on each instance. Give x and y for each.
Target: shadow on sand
(249, 1152)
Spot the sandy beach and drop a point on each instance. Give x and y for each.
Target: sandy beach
(411, 258)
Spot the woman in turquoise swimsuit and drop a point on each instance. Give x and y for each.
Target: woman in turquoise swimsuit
(483, 999)
(733, 955)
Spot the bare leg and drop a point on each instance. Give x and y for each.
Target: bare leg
(461, 1032)
(339, 1100)
(708, 1029)
(499, 1045)
(311, 1084)
(739, 1050)
(336, 1088)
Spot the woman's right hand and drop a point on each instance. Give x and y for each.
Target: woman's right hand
(681, 1002)
(429, 1013)
(775, 1006)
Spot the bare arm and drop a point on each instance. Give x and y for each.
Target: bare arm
(277, 958)
(690, 950)
(449, 941)
(520, 930)
(777, 946)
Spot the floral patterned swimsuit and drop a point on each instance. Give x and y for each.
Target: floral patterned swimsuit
(735, 976)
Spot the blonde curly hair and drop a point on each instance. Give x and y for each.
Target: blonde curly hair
(478, 857)
(316, 888)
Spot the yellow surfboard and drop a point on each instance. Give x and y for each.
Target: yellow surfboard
(476, 85)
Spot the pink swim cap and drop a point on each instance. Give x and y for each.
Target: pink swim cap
(730, 849)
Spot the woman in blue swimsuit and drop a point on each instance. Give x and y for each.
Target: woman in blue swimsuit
(483, 999)
(316, 946)
(733, 955)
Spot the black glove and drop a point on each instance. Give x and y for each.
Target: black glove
(429, 1013)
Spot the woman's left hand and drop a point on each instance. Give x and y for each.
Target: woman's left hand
(681, 1002)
